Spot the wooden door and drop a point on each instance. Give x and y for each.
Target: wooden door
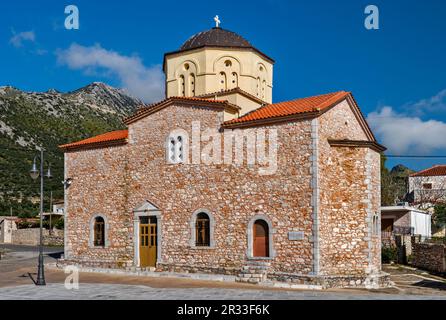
(387, 225)
(261, 239)
(148, 242)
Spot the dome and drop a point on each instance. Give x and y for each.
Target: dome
(216, 37)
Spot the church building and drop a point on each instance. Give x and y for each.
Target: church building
(219, 179)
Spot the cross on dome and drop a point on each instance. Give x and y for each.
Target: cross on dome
(217, 21)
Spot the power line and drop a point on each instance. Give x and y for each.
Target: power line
(414, 156)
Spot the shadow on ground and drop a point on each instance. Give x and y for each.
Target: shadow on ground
(55, 255)
(431, 284)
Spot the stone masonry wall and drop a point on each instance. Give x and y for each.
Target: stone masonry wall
(119, 179)
(98, 188)
(232, 194)
(350, 195)
(374, 207)
(402, 219)
(114, 181)
(429, 256)
(31, 237)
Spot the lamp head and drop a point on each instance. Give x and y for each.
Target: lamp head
(67, 182)
(48, 174)
(34, 173)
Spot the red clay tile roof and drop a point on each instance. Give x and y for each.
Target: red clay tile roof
(147, 109)
(438, 170)
(198, 99)
(114, 136)
(287, 108)
(229, 91)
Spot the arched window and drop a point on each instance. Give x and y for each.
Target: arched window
(182, 86)
(375, 224)
(176, 148)
(234, 80)
(263, 89)
(258, 87)
(99, 232)
(202, 230)
(260, 239)
(191, 85)
(223, 81)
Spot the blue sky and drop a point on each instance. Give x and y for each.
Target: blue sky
(397, 73)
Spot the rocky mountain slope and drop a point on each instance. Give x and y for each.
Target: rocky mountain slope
(394, 184)
(29, 120)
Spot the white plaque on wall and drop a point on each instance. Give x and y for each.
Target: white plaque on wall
(296, 235)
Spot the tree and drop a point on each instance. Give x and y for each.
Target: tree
(394, 184)
(439, 216)
(386, 194)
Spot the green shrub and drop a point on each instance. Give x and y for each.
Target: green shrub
(23, 225)
(46, 224)
(389, 254)
(438, 240)
(59, 224)
(439, 216)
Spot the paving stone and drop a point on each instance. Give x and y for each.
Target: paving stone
(126, 292)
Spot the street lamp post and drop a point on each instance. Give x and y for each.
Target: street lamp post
(34, 173)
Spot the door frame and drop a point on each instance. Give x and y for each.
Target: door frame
(147, 209)
(263, 250)
(250, 232)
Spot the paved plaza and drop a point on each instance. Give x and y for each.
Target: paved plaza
(18, 269)
(137, 292)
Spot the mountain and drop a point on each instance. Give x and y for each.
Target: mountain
(106, 98)
(29, 120)
(401, 170)
(394, 184)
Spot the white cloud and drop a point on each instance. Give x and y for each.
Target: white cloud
(403, 134)
(41, 52)
(18, 38)
(146, 83)
(436, 103)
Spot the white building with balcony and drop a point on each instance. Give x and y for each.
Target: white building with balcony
(403, 219)
(428, 187)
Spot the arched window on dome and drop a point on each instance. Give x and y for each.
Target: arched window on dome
(223, 84)
(182, 88)
(258, 87)
(191, 85)
(234, 80)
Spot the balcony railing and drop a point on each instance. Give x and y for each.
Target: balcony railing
(397, 231)
(429, 195)
(403, 230)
